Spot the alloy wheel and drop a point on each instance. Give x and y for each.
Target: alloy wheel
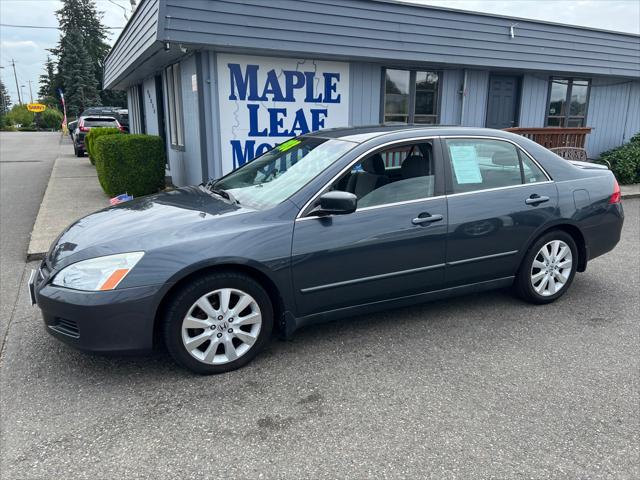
(551, 268)
(221, 326)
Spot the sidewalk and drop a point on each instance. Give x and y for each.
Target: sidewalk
(73, 192)
(630, 191)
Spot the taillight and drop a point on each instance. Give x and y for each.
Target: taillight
(615, 196)
(82, 128)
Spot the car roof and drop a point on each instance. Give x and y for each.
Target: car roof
(368, 132)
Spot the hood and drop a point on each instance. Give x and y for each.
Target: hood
(141, 223)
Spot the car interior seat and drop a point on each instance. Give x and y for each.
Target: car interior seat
(371, 177)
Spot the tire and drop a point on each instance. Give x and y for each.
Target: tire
(558, 270)
(223, 333)
(79, 152)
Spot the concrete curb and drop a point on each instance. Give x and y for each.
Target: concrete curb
(73, 191)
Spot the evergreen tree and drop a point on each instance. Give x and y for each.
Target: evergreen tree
(5, 100)
(81, 17)
(77, 74)
(49, 84)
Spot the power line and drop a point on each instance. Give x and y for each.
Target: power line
(46, 27)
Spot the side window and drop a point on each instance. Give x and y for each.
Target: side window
(531, 172)
(397, 174)
(479, 164)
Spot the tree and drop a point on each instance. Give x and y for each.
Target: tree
(51, 119)
(5, 103)
(83, 18)
(49, 84)
(77, 74)
(19, 115)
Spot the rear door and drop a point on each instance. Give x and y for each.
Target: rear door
(394, 243)
(497, 198)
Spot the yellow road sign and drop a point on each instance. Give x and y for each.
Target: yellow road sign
(36, 107)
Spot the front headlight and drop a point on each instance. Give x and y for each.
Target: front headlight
(101, 273)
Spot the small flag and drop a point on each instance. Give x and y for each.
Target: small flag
(120, 199)
(64, 108)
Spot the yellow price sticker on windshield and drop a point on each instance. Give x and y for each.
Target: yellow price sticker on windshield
(289, 144)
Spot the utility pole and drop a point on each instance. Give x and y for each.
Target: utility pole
(13, 64)
(30, 92)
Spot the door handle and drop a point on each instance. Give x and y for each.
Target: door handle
(425, 218)
(536, 199)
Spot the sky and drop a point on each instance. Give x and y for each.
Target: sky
(28, 45)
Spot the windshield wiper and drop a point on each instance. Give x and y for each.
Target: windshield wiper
(221, 192)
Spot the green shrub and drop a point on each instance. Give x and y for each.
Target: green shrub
(50, 119)
(624, 161)
(132, 164)
(92, 135)
(19, 115)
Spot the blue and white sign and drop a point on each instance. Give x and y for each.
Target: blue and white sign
(264, 101)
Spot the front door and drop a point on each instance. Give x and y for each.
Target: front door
(394, 243)
(502, 105)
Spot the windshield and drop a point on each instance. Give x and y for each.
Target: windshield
(275, 176)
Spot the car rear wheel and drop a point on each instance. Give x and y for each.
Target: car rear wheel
(548, 268)
(218, 323)
(79, 152)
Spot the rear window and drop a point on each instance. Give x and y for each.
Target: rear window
(100, 122)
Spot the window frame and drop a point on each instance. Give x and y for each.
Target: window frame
(439, 186)
(175, 119)
(448, 172)
(412, 95)
(567, 115)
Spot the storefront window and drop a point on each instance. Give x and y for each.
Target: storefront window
(411, 96)
(396, 96)
(568, 98)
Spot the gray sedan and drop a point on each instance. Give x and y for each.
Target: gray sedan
(325, 226)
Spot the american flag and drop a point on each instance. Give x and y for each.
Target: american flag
(64, 108)
(120, 199)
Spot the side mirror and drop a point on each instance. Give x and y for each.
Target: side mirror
(337, 203)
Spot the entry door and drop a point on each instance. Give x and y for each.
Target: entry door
(502, 106)
(393, 245)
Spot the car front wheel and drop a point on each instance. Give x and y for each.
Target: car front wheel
(548, 268)
(218, 323)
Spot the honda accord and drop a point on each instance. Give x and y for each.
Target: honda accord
(324, 226)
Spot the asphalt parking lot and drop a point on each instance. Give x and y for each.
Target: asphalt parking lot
(481, 386)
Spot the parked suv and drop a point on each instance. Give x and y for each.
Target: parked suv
(87, 123)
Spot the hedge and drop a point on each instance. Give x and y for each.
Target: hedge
(133, 164)
(624, 161)
(92, 135)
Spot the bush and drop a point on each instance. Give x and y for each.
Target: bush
(50, 119)
(624, 161)
(92, 135)
(132, 164)
(19, 115)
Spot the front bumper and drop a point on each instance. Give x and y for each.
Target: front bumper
(120, 320)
